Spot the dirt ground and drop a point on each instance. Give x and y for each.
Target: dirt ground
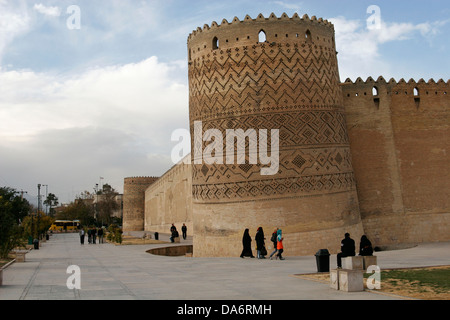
(403, 288)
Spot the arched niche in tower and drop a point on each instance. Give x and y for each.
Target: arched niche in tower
(262, 36)
(215, 43)
(308, 36)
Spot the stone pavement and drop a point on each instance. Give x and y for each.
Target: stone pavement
(110, 272)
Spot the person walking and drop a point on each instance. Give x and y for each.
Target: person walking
(94, 235)
(280, 247)
(82, 236)
(274, 241)
(247, 245)
(260, 245)
(89, 235)
(347, 249)
(100, 235)
(184, 230)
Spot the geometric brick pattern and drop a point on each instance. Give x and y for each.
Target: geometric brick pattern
(308, 172)
(264, 78)
(291, 84)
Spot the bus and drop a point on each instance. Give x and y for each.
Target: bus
(65, 225)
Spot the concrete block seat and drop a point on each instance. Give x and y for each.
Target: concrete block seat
(353, 263)
(351, 280)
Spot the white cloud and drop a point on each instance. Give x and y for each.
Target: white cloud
(359, 46)
(115, 121)
(48, 11)
(127, 97)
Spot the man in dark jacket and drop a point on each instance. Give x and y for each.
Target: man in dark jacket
(184, 230)
(348, 249)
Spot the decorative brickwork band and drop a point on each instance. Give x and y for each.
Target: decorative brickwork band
(270, 74)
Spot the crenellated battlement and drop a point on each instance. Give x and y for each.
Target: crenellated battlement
(141, 178)
(379, 87)
(392, 81)
(261, 18)
(248, 32)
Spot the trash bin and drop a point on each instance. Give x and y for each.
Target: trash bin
(36, 244)
(156, 236)
(323, 260)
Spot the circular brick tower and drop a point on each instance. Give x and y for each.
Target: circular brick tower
(134, 202)
(274, 74)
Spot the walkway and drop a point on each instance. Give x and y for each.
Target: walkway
(111, 272)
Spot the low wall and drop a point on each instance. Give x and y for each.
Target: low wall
(175, 251)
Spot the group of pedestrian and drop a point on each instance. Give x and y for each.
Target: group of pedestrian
(348, 248)
(261, 251)
(92, 234)
(174, 232)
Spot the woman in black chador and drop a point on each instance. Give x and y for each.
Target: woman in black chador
(247, 244)
(365, 248)
(260, 244)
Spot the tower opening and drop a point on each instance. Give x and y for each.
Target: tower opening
(262, 36)
(308, 35)
(215, 43)
(375, 91)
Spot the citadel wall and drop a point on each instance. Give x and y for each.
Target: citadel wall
(288, 82)
(169, 201)
(361, 157)
(399, 135)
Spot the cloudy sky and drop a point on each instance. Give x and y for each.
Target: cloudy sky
(95, 88)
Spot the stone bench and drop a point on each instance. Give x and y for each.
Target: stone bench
(370, 261)
(177, 240)
(20, 256)
(334, 279)
(351, 280)
(351, 277)
(347, 280)
(359, 262)
(353, 263)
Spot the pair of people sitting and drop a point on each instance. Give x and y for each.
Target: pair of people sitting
(348, 248)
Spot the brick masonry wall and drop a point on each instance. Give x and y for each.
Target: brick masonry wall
(400, 151)
(169, 200)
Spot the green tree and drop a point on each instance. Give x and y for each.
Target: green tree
(13, 210)
(78, 210)
(51, 201)
(107, 204)
(18, 206)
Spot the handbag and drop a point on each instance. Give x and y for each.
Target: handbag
(263, 251)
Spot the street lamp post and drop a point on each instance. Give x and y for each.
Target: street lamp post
(46, 197)
(36, 241)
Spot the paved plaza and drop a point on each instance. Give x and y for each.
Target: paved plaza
(110, 272)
